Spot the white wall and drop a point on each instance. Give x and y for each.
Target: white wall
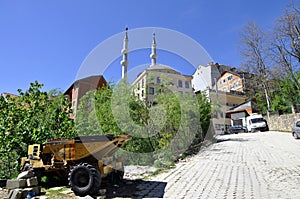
(202, 78)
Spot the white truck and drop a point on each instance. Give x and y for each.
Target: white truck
(255, 122)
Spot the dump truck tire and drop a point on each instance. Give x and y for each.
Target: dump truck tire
(84, 179)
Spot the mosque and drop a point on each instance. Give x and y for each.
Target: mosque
(156, 78)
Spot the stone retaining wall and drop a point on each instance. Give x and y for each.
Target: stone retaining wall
(282, 122)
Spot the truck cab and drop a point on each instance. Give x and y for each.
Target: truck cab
(256, 122)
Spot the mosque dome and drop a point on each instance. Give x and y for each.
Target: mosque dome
(162, 68)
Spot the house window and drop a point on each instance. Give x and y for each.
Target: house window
(224, 80)
(142, 82)
(187, 84)
(229, 77)
(157, 80)
(235, 84)
(142, 93)
(179, 83)
(151, 91)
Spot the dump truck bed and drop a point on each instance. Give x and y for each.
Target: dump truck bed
(85, 146)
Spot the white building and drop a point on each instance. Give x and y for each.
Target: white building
(205, 76)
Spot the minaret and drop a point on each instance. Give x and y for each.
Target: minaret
(153, 54)
(125, 52)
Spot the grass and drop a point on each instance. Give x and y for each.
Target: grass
(58, 193)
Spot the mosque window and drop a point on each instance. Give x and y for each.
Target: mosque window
(179, 83)
(151, 91)
(187, 84)
(158, 80)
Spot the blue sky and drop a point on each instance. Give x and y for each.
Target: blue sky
(49, 40)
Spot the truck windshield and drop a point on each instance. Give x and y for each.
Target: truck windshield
(256, 120)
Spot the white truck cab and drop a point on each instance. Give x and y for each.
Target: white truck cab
(256, 122)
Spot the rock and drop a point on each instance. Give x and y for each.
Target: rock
(16, 183)
(25, 186)
(15, 194)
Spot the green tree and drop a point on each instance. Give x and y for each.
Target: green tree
(31, 117)
(286, 95)
(204, 108)
(86, 120)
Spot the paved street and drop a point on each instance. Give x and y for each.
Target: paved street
(248, 165)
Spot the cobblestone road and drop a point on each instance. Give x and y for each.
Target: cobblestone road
(249, 165)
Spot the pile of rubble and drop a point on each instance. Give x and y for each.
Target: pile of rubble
(25, 186)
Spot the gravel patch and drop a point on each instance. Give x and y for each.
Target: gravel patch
(134, 172)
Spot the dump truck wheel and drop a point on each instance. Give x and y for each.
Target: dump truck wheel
(84, 179)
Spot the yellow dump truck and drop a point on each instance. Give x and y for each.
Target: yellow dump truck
(83, 161)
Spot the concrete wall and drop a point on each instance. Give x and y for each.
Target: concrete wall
(282, 122)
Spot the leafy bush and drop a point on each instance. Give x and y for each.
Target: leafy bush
(31, 117)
